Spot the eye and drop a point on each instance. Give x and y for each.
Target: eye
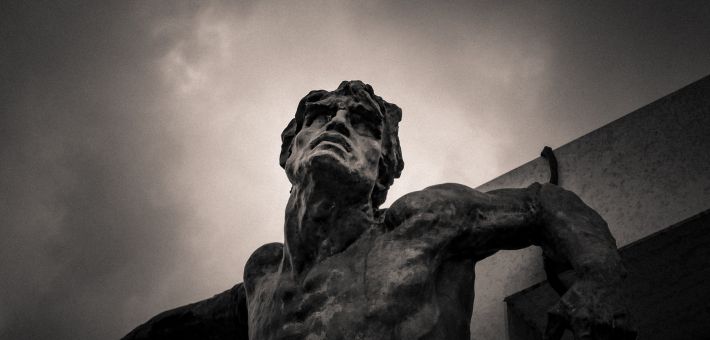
(317, 116)
(366, 122)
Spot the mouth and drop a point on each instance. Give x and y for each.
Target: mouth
(333, 138)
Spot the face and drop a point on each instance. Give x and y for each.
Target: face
(340, 142)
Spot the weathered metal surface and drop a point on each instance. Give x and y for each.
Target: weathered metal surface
(349, 270)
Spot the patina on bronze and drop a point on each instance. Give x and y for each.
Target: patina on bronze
(349, 270)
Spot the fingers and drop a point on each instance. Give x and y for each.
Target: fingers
(556, 325)
(586, 325)
(621, 327)
(582, 325)
(603, 332)
(586, 330)
(625, 334)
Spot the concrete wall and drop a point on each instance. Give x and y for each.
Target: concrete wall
(667, 286)
(643, 172)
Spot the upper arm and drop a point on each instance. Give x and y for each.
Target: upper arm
(509, 219)
(466, 221)
(462, 221)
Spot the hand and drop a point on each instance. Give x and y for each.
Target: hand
(592, 310)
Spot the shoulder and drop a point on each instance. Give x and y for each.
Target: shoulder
(529, 192)
(434, 199)
(436, 194)
(451, 200)
(264, 260)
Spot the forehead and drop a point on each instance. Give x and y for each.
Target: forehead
(335, 100)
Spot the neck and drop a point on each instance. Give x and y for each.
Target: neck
(321, 222)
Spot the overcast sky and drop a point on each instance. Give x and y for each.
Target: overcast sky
(139, 141)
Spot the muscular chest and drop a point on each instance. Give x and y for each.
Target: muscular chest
(368, 291)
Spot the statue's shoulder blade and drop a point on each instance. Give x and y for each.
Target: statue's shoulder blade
(264, 260)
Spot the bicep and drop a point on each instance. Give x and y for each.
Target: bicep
(507, 220)
(467, 222)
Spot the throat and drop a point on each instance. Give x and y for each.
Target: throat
(320, 226)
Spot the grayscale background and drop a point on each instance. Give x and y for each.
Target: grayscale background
(139, 141)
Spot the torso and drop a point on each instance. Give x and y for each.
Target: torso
(387, 285)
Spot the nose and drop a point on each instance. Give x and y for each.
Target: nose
(339, 123)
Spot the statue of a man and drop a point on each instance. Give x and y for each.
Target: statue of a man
(348, 270)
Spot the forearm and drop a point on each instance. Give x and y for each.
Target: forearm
(222, 316)
(573, 233)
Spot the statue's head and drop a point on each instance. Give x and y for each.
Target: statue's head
(347, 137)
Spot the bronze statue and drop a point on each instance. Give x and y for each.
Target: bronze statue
(348, 270)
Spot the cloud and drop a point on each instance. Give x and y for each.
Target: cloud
(88, 223)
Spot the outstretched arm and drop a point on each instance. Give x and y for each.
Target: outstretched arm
(468, 222)
(223, 316)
